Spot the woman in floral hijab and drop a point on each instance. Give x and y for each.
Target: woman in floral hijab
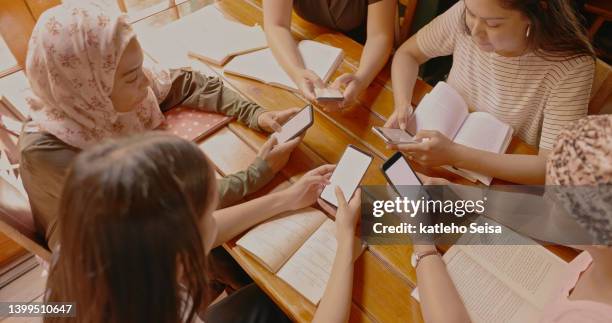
(91, 82)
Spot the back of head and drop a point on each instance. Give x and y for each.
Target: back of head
(580, 168)
(130, 225)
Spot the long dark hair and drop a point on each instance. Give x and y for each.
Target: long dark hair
(130, 217)
(555, 31)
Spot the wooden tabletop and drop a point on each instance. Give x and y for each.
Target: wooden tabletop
(383, 278)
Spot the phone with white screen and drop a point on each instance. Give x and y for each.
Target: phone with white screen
(400, 175)
(348, 173)
(393, 136)
(296, 125)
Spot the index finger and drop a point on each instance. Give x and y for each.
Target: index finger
(340, 197)
(324, 169)
(412, 147)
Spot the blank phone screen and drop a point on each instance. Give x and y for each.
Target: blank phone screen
(347, 175)
(400, 174)
(295, 125)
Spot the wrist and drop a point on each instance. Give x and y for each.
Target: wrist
(279, 201)
(403, 105)
(458, 153)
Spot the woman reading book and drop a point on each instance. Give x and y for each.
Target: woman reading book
(85, 67)
(580, 159)
(528, 63)
(369, 21)
(138, 221)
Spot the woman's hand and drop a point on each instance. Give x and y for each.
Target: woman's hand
(271, 121)
(277, 155)
(428, 180)
(399, 117)
(307, 189)
(347, 216)
(353, 86)
(307, 81)
(431, 149)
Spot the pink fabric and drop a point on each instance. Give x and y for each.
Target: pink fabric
(71, 63)
(564, 310)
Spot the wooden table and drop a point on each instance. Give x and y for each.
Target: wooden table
(383, 278)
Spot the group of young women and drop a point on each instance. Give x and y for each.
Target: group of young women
(135, 218)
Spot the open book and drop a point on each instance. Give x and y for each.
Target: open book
(261, 65)
(205, 34)
(230, 39)
(13, 96)
(504, 283)
(299, 247)
(444, 109)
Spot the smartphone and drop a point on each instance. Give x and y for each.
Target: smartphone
(328, 94)
(398, 172)
(393, 135)
(348, 173)
(296, 125)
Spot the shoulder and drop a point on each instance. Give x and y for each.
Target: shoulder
(44, 150)
(565, 68)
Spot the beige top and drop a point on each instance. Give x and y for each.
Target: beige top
(45, 158)
(537, 97)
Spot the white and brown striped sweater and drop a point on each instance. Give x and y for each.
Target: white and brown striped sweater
(536, 96)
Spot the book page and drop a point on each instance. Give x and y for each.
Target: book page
(262, 66)
(309, 268)
(531, 271)
(235, 38)
(486, 297)
(483, 131)
(273, 242)
(442, 109)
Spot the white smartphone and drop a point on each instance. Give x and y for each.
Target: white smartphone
(296, 125)
(348, 173)
(328, 94)
(393, 135)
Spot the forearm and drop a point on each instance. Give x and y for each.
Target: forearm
(404, 72)
(285, 49)
(233, 220)
(374, 57)
(440, 301)
(336, 302)
(516, 168)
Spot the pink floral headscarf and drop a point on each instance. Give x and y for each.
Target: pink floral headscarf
(72, 59)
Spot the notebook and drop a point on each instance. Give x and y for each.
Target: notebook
(299, 247)
(444, 109)
(193, 124)
(261, 65)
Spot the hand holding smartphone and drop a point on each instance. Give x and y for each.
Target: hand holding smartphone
(393, 136)
(295, 126)
(328, 94)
